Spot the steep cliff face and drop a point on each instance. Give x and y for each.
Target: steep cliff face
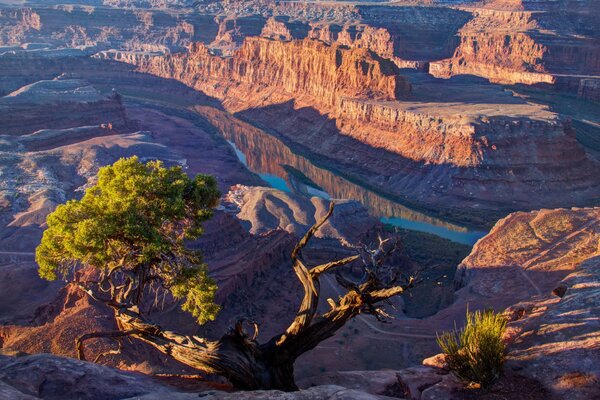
(303, 67)
(341, 104)
(496, 45)
(525, 42)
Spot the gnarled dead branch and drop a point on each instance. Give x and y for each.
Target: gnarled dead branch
(237, 355)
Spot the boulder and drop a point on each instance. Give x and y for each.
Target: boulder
(51, 377)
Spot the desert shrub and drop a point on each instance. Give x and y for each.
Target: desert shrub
(477, 352)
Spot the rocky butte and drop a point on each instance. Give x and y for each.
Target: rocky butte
(527, 42)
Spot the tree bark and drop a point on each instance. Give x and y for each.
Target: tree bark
(237, 356)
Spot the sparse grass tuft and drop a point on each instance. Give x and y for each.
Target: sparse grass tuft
(477, 352)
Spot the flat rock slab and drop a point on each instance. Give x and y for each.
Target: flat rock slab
(51, 377)
(325, 392)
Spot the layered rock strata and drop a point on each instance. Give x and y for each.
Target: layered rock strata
(302, 67)
(528, 42)
(343, 104)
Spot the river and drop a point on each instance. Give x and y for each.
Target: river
(280, 167)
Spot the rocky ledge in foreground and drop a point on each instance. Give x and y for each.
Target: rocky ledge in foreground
(45, 376)
(553, 334)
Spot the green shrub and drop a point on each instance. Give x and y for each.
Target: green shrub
(476, 353)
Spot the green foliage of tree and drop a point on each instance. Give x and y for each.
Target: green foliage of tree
(477, 352)
(132, 227)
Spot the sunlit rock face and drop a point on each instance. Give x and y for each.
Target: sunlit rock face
(544, 265)
(547, 245)
(349, 104)
(527, 42)
(303, 67)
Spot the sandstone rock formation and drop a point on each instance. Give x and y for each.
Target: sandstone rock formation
(266, 209)
(304, 67)
(538, 248)
(347, 109)
(526, 42)
(555, 338)
(547, 262)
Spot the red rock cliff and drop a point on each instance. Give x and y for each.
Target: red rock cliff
(342, 104)
(301, 67)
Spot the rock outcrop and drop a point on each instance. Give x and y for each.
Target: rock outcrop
(300, 67)
(544, 266)
(265, 209)
(555, 338)
(49, 377)
(538, 248)
(526, 42)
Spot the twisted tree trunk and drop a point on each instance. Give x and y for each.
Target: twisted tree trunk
(237, 356)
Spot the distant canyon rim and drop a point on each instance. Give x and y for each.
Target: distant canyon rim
(473, 121)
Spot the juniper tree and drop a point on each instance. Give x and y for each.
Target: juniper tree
(126, 239)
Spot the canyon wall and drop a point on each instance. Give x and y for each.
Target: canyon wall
(524, 44)
(342, 104)
(299, 67)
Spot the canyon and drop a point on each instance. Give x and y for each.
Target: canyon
(470, 130)
(504, 139)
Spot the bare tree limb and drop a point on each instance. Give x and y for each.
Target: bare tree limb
(309, 304)
(320, 269)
